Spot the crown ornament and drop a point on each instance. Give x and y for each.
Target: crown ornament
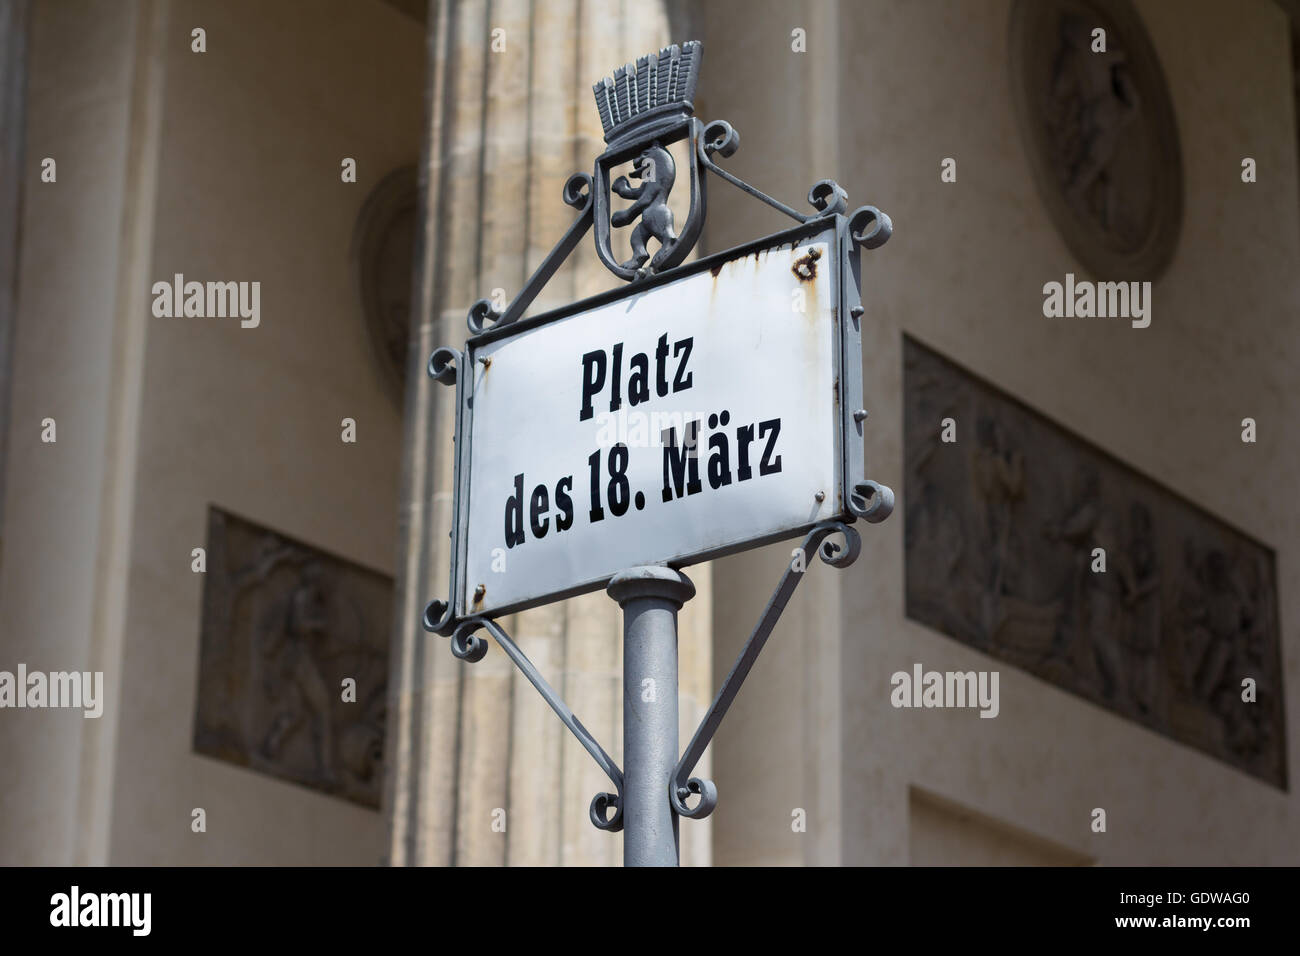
(655, 87)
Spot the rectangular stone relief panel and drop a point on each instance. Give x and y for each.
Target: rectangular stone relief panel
(284, 626)
(1000, 531)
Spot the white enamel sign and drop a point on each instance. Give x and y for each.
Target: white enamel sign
(688, 420)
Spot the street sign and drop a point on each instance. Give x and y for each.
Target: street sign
(704, 408)
(664, 425)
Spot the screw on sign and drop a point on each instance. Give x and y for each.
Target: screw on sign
(684, 416)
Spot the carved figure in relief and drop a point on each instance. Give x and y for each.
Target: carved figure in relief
(295, 681)
(1095, 100)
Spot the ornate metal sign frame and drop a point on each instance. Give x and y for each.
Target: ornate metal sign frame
(645, 107)
(855, 496)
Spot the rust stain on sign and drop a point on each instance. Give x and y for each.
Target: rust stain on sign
(805, 267)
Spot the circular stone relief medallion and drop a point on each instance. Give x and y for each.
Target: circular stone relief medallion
(383, 252)
(1100, 132)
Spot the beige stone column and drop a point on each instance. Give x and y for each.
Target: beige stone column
(94, 105)
(511, 117)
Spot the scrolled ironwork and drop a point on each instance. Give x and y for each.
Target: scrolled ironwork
(443, 364)
(577, 191)
(699, 787)
(871, 501)
(467, 645)
(720, 137)
(601, 803)
(725, 141)
(439, 618)
(482, 316)
(828, 198)
(869, 227)
(832, 552)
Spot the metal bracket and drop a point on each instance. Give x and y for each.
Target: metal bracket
(470, 648)
(578, 193)
(826, 195)
(683, 786)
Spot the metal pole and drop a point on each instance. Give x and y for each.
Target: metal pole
(650, 598)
